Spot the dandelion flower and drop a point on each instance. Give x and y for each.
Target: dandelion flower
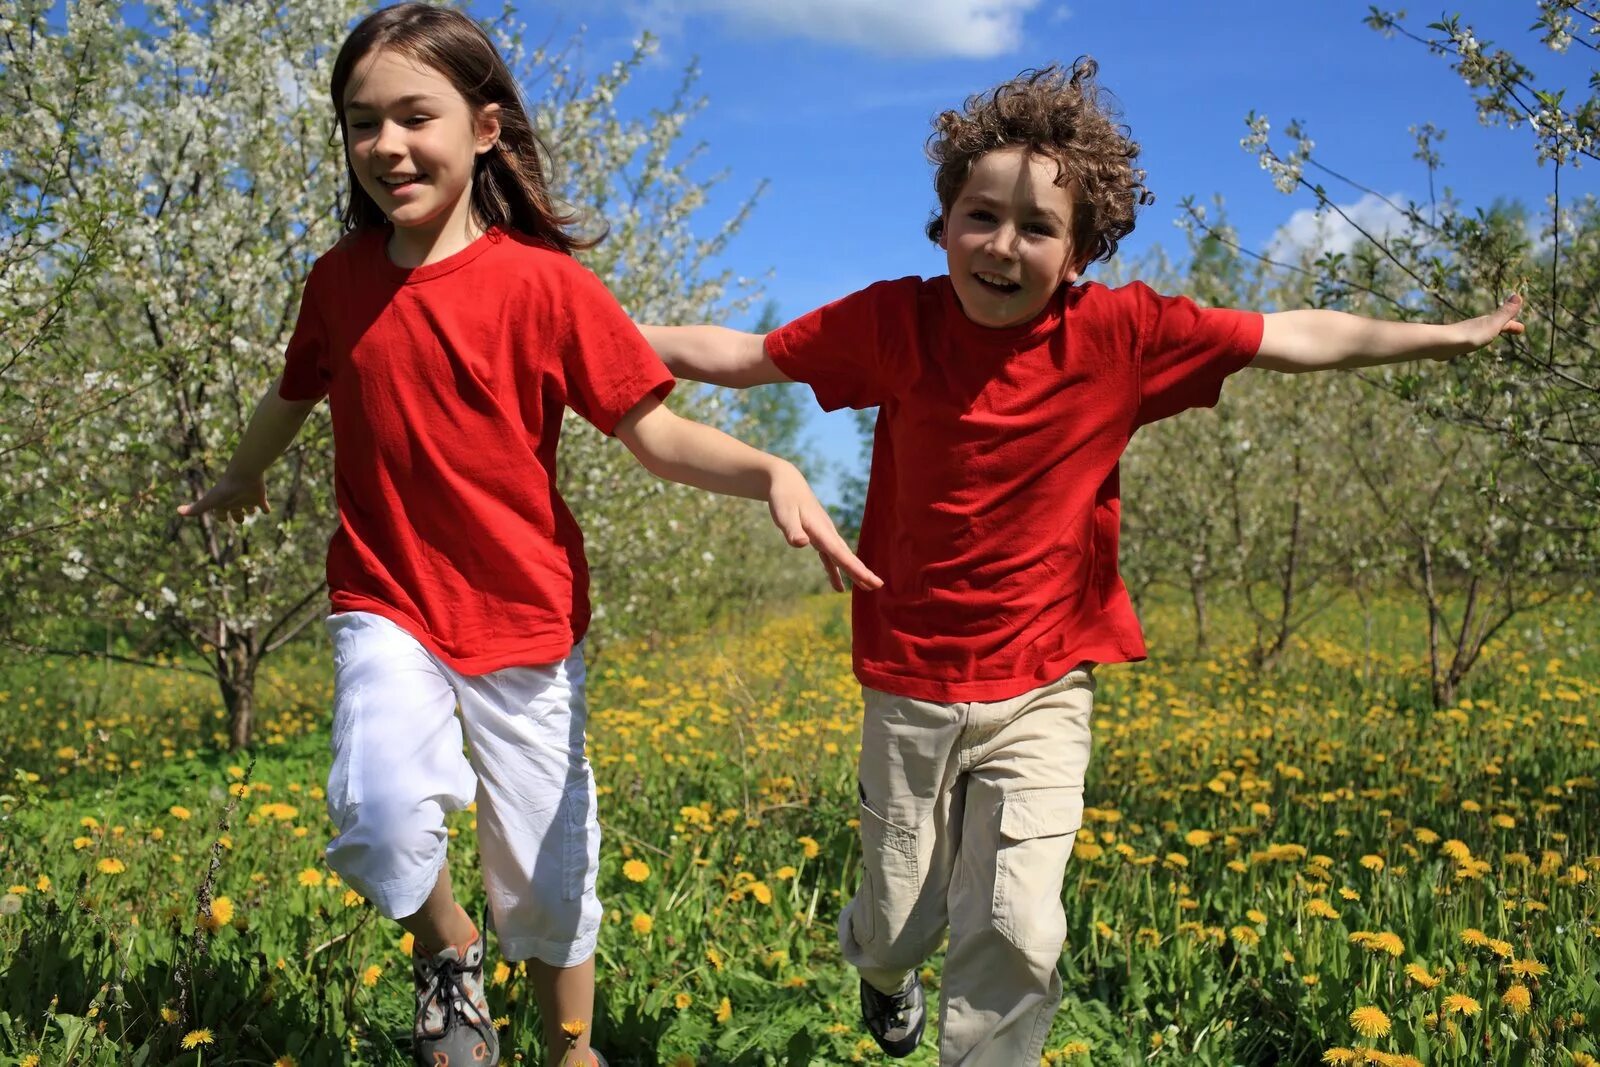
(1517, 999)
(724, 1010)
(1342, 1057)
(196, 1038)
(643, 924)
(1198, 838)
(1372, 862)
(810, 847)
(310, 877)
(1421, 975)
(1529, 969)
(682, 1001)
(636, 870)
(1460, 1004)
(370, 976)
(1369, 1021)
(761, 892)
(111, 865)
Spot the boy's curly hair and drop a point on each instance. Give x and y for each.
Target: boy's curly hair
(1061, 114)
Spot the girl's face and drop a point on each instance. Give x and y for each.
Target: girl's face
(412, 140)
(1008, 238)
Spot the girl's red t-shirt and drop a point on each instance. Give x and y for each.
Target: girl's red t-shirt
(992, 509)
(447, 384)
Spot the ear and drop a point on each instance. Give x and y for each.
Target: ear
(488, 128)
(944, 232)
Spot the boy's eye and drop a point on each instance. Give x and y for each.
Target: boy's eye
(980, 215)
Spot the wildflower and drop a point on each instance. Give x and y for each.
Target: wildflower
(111, 865)
(714, 958)
(1198, 838)
(1472, 937)
(643, 924)
(1369, 1021)
(1460, 1004)
(636, 870)
(310, 877)
(370, 976)
(221, 914)
(724, 1010)
(1529, 969)
(196, 1038)
(1321, 909)
(1517, 999)
(502, 973)
(1420, 975)
(1504, 821)
(1245, 936)
(574, 1030)
(285, 1061)
(682, 1001)
(407, 943)
(1380, 942)
(761, 892)
(1342, 1057)
(1372, 863)
(352, 899)
(810, 846)
(43, 884)
(10, 904)
(1256, 916)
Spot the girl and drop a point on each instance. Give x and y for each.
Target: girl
(448, 330)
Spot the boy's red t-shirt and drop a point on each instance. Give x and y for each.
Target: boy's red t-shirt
(447, 384)
(992, 508)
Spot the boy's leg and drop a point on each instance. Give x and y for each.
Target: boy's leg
(539, 835)
(1007, 924)
(911, 800)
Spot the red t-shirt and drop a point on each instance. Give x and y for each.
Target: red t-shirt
(447, 384)
(992, 512)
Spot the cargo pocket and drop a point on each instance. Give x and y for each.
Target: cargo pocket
(1037, 829)
(580, 831)
(890, 878)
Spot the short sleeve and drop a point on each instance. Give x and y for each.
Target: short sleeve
(306, 368)
(609, 367)
(1186, 351)
(855, 352)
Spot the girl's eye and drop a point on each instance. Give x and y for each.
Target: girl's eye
(416, 120)
(1041, 230)
(362, 124)
(979, 215)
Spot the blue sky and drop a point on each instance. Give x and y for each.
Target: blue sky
(829, 102)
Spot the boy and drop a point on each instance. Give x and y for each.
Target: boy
(1006, 396)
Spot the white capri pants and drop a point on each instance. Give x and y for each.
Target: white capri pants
(398, 768)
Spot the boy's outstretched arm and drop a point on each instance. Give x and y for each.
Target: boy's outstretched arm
(714, 354)
(241, 489)
(706, 458)
(1296, 341)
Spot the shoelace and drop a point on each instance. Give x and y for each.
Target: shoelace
(447, 987)
(893, 1011)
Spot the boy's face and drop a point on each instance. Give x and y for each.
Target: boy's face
(1008, 238)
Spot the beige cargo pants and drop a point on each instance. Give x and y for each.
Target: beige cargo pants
(968, 816)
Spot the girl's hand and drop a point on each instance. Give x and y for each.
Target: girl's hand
(803, 520)
(1475, 333)
(233, 494)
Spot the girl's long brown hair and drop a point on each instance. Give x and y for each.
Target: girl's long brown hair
(509, 186)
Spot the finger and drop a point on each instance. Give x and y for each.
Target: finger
(831, 545)
(792, 526)
(196, 508)
(833, 572)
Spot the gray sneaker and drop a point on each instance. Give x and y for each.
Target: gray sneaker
(453, 1026)
(895, 1020)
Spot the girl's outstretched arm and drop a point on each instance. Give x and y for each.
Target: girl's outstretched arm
(714, 354)
(1297, 341)
(241, 489)
(687, 452)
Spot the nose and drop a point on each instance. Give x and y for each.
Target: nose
(1003, 242)
(390, 142)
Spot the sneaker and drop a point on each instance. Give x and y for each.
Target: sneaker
(453, 1027)
(895, 1020)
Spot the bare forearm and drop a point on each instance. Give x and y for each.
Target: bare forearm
(1312, 340)
(679, 450)
(713, 354)
(271, 430)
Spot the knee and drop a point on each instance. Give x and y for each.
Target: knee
(389, 853)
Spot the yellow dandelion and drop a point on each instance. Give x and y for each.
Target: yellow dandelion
(111, 865)
(1321, 909)
(1421, 975)
(1460, 1004)
(1369, 1021)
(643, 924)
(1529, 969)
(1256, 916)
(760, 891)
(1199, 838)
(285, 1061)
(310, 877)
(502, 973)
(221, 914)
(1472, 937)
(1372, 862)
(43, 884)
(196, 1038)
(1342, 1057)
(636, 870)
(724, 1010)
(784, 873)
(169, 1014)
(370, 976)
(682, 1001)
(1517, 999)
(574, 1029)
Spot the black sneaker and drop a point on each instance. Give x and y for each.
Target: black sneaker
(895, 1020)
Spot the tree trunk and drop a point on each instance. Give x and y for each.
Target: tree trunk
(236, 676)
(1197, 593)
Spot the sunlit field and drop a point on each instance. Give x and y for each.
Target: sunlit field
(1311, 866)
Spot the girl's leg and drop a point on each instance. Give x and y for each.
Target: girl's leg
(539, 836)
(440, 922)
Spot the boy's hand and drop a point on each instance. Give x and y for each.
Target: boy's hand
(1475, 333)
(803, 520)
(237, 496)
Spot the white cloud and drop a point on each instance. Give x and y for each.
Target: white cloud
(968, 28)
(1328, 231)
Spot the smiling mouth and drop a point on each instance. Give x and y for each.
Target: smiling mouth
(997, 284)
(404, 181)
